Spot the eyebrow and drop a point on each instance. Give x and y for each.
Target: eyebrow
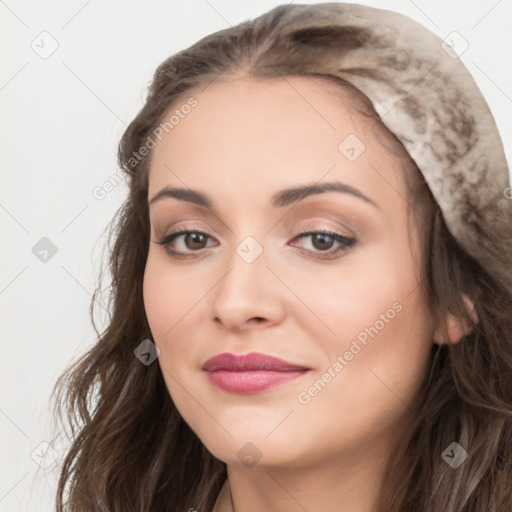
(279, 199)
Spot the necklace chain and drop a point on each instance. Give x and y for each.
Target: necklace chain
(231, 498)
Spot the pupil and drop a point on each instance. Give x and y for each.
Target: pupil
(323, 244)
(196, 238)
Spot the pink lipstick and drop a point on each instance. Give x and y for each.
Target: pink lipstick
(250, 373)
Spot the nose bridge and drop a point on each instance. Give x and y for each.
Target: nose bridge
(246, 269)
(248, 289)
(249, 245)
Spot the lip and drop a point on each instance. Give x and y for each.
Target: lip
(250, 373)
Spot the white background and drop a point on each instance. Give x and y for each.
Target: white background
(61, 120)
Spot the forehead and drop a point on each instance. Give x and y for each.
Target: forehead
(263, 135)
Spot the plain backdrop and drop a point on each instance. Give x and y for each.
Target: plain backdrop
(73, 74)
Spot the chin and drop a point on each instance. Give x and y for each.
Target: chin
(249, 444)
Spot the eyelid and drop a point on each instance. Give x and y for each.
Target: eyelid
(329, 221)
(320, 224)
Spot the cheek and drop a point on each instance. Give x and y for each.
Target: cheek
(381, 337)
(338, 305)
(385, 361)
(168, 302)
(368, 387)
(169, 298)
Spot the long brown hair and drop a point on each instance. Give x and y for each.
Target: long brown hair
(130, 449)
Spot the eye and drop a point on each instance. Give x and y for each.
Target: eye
(323, 241)
(195, 241)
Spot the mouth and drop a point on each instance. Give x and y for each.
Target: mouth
(250, 373)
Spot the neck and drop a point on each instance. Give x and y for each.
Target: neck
(352, 486)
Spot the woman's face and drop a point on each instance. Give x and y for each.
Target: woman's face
(347, 314)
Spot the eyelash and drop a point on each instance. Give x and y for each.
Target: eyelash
(347, 242)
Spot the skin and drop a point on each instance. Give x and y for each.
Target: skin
(244, 141)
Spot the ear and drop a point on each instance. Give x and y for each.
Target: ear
(456, 328)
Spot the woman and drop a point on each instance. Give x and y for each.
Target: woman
(311, 286)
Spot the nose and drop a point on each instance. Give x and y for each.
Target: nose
(249, 295)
